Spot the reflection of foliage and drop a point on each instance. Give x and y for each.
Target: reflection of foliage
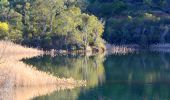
(128, 77)
(81, 68)
(132, 77)
(128, 92)
(143, 67)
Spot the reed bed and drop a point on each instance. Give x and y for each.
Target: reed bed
(18, 74)
(122, 49)
(15, 73)
(11, 51)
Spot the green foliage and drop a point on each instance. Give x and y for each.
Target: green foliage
(61, 24)
(79, 28)
(133, 21)
(106, 9)
(50, 22)
(4, 28)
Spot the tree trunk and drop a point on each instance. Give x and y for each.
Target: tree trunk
(51, 23)
(24, 19)
(44, 26)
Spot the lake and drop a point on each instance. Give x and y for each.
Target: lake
(137, 76)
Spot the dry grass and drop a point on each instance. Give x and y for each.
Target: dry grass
(123, 49)
(11, 51)
(19, 74)
(14, 73)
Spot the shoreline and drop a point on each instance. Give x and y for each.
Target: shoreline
(112, 49)
(108, 49)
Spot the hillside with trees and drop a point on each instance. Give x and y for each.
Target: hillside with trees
(77, 24)
(49, 24)
(142, 22)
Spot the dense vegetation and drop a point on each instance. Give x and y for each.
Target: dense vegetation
(70, 24)
(141, 22)
(58, 24)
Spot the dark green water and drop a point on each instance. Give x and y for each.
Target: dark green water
(138, 76)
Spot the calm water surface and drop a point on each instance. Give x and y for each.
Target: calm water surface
(138, 76)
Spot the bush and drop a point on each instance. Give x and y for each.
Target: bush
(4, 28)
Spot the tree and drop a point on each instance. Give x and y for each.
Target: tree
(92, 29)
(43, 15)
(79, 28)
(67, 24)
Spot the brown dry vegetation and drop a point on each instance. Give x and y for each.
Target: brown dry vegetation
(123, 49)
(15, 73)
(14, 52)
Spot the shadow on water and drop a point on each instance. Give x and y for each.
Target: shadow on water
(137, 76)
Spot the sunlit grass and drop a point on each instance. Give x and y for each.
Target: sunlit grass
(14, 73)
(11, 51)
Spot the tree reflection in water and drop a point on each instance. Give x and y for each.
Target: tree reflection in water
(145, 75)
(90, 69)
(86, 68)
